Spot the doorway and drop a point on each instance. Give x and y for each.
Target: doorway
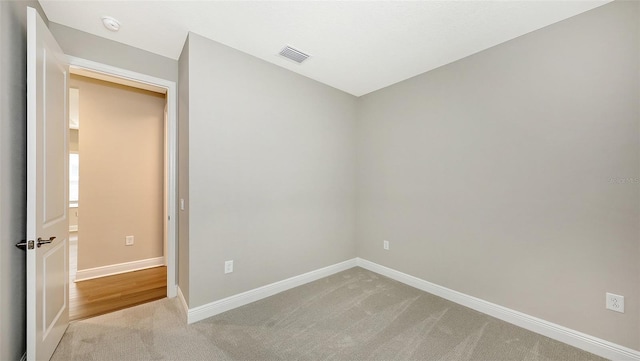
(114, 263)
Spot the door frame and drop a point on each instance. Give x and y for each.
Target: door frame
(171, 151)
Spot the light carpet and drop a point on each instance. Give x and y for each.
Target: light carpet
(352, 315)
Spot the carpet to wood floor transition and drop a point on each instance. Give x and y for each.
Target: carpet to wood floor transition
(352, 315)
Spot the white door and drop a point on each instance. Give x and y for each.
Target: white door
(47, 191)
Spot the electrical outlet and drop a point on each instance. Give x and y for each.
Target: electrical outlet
(128, 241)
(385, 245)
(182, 204)
(228, 266)
(615, 302)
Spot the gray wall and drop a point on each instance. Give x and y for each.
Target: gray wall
(183, 171)
(91, 47)
(271, 172)
(13, 115)
(513, 175)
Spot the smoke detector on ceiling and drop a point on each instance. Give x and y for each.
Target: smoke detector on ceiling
(110, 23)
(294, 54)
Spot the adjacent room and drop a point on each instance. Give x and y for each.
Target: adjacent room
(337, 180)
(117, 166)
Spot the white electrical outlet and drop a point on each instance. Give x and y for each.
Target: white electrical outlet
(385, 244)
(128, 241)
(615, 302)
(228, 266)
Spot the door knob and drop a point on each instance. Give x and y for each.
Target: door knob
(44, 241)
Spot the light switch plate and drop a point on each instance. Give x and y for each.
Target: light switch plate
(228, 266)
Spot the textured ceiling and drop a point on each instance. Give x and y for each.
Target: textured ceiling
(356, 46)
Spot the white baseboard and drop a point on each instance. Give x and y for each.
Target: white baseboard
(183, 302)
(211, 309)
(574, 338)
(172, 290)
(571, 337)
(87, 274)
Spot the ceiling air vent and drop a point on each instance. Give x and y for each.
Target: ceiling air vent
(294, 54)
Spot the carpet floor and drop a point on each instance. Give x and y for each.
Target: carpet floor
(352, 315)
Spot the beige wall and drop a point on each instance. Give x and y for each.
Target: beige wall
(271, 172)
(512, 175)
(121, 173)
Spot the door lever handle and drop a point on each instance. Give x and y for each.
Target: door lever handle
(23, 245)
(44, 241)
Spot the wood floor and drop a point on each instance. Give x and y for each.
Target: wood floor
(107, 294)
